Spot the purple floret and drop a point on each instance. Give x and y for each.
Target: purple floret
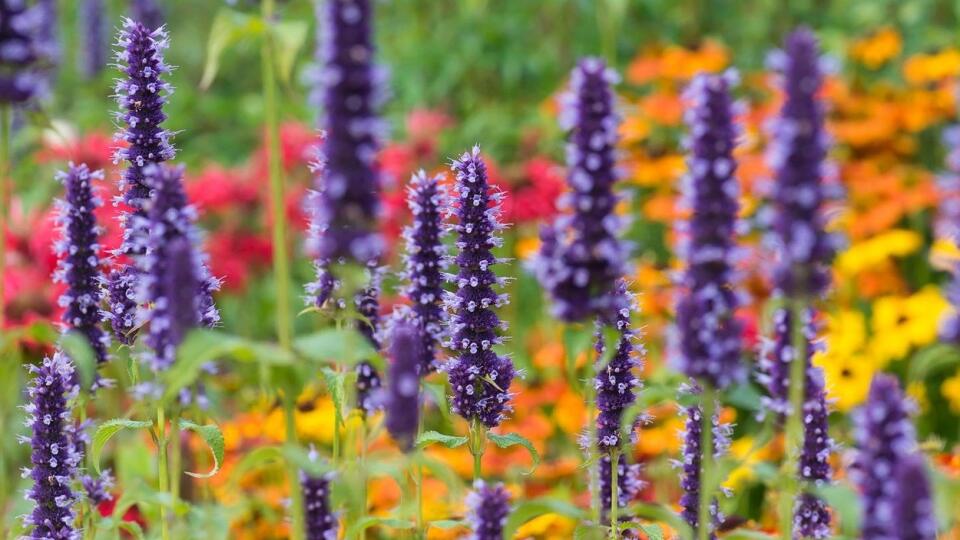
(616, 383)
(20, 52)
(487, 508)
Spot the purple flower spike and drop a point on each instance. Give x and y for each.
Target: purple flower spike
(709, 333)
(319, 520)
(425, 260)
(148, 12)
(580, 268)
(948, 226)
(812, 518)
(884, 435)
(798, 157)
(368, 386)
(480, 377)
(122, 298)
(54, 457)
(403, 399)
(616, 383)
(367, 302)
(487, 508)
(98, 488)
(141, 94)
(775, 357)
(95, 56)
(20, 52)
(349, 94)
(914, 507)
(79, 249)
(175, 278)
(692, 464)
(628, 485)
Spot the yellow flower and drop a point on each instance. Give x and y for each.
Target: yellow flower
(922, 69)
(878, 48)
(527, 247)
(662, 171)
(870, 253)
(547, 527)
(944, 254)
(918, 392)
(903, 323)
(846, 332)
(951, 390)
(316, 424)
(847, 377)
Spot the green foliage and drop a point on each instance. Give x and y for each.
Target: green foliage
(211, 435)
(514, 439)
(106, 431)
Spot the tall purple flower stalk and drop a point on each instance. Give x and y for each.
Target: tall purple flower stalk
(122, 303)
(93, 16)
(776, 354)
(628, 484)
(798, 156)
(691, 465)
(320, 523)
(811, 516)
(148, 12)
(367, 302)
(425, 260)
(349, 92)
(948, 226)
(709, 332)
(175, 279)
(141, 94)
(616, 383)
(480, 377)
(48, 33)
(20, 52)
(581, 265)
(403, 380)
(915, 516)
(487, 508)
(884, 436)
(79, 249)
(54, 457)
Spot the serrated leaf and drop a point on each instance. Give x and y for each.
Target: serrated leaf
(434, 437)
(288, 38)
(211, 435)
(513, 439)
(106, 431)
(334, 382)
(525, 511)
(229, 27)
(345, 347)
(79, 350)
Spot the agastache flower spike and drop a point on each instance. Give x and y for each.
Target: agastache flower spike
(692, 464)
(915, 516)
(175, 280)
(320, 522)
(95, 56)
(20, 48)
(884, 435)
(628, 484)
(141, 94)
(53, 458)
(798, 157)
(581, 267)
(122, 300)
(812, 517)
(367, 302)
(480, 378)
(709, 333)
(616, 383)
(148, 12)
(349, 93)
(79, 266)
(425, 260)
(98, 488)
(487, 508)
(776, 354)
(403, 380)
(948, 226)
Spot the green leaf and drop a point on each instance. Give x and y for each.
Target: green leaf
(438, 391)
(334, 381)
(659, 513)
(434, 437)
(343, 346)
(288, 38)
(845, 503)
(651, 530)
(79, 350)
(513, 439)
(590, 532)
(527, 510)
(303, 460)
(211, 435)
(373, 521)
(254, 460)
(229, 27)
(106, 431)
(131, 527)
(933, 359)
(446, 524)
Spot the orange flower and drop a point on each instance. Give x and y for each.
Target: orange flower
(922, 69)
(878, 48)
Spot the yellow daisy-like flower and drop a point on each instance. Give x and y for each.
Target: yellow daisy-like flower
(944, 254)
(847, 378)
(901, 324)
(547, 527)
(846, 332)
(951, 390)
(878, 48)
(874, 251)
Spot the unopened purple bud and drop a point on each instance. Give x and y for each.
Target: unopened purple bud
(487, 508)
(403, 381)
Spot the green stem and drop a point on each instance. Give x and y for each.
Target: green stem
(706, 451)
(293, 473)
(793, 434)
(363, 474)
(176, 457)
(614, 494)
(4, 198)
(163, 474)
(478, 441)
(418, 456)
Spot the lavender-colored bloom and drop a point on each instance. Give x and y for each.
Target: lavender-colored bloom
(367, 302)
(616, 383)
(798, 157)
(349, 90)
(915, 516)
(320, 291)
(884, 435)
(487, 508)
(628, 484)
(812, 518)
(20, 52)
(948, 226)
(368, 386)
(709, 333)
(53, 458)
(141, 94)
(692, 464)
(122, 299)
(403, 381)
(580, 269)
(776, 355)
(79, 249)
(95, 39)
(48, 40)
(98, 488)
(480, 377)
(320, 523)
(425, 260)
(148, 12)
(175, 279)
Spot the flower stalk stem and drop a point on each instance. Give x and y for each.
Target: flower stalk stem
(614, 494)
(793, 431)
(163, 473)
(706, 475)
(478, 441)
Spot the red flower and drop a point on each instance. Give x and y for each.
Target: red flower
(95, 149)
(217, 189)
(235, 255)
